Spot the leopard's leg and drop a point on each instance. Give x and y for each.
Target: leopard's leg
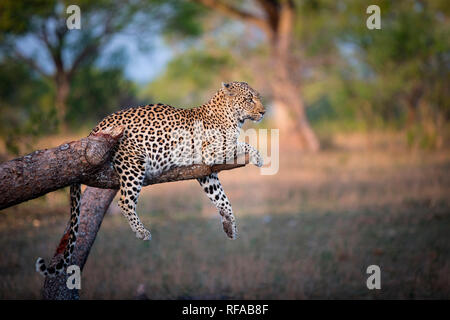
(75, 203)
(255, 156)
(230, 151)
(213, 189)
(235, 150)
(131, 171)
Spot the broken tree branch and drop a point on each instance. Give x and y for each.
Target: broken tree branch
(84, 161)
(94, 204)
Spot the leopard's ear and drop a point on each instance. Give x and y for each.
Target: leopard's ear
(227, 89)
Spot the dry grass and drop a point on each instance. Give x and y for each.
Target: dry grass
(308, 232)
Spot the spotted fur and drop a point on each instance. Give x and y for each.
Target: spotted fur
(151, 144)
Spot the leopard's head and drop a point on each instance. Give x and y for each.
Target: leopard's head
(245, 100)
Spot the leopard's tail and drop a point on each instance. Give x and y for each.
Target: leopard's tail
(75, 202)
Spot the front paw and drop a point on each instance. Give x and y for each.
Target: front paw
(143, 234)
(257, 159)
(229, 226)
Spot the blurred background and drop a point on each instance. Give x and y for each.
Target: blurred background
(364, 150)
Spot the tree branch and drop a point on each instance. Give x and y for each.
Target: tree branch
(84, 161)
(234, 12)
(91, 48)
(94, 204)
(31, 63)
(271, 9)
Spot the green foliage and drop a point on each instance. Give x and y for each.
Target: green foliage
(396, 76)
(16, 16)
(26, 106)
(351, 78)
(189, 77)
(316, 26)
(107, 91)
(29, 88)
(183, 19)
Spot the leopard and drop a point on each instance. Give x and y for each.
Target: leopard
(157, 138)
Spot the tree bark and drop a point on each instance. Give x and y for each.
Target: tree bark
(290, 104)
(62, 84)
(84, 161)
(94, 204)
(286, 92)
(47, 170)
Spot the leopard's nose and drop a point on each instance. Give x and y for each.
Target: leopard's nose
(262, 112)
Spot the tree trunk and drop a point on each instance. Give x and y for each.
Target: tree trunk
(412, 102)
(94, 204)
(286, 93)
(291, 116)
(277, 22)
(62, 83)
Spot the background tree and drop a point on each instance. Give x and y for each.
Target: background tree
(277, 20)
(51, 76)
(25, 104)
(349, 77)
(42, 40)
(405, 66)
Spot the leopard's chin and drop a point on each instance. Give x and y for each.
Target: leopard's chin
(257, 119)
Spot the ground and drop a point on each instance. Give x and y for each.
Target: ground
(308, 232)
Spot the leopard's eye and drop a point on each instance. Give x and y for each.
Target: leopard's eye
(249, 99)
